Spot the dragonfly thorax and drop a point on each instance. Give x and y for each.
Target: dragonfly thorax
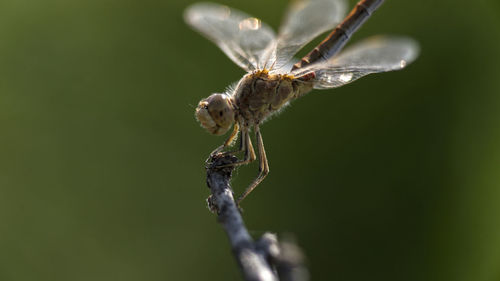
(216, 113)
(260, 94)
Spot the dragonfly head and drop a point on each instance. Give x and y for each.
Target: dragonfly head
(216, 113)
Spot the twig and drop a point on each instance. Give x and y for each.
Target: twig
(263, 260)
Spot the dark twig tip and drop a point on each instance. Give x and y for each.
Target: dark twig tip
(221, 163)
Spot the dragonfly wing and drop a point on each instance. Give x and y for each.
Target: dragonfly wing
(242, 37)
(304, 21)
(373, 55)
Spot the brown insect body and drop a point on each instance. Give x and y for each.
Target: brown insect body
(259, 94)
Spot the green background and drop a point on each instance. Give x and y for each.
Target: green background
(394, 177)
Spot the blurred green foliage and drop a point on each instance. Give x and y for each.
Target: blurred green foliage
(395, 177)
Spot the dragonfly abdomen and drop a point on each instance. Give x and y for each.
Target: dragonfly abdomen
(341, 34)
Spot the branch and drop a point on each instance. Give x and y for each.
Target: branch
(263, 260)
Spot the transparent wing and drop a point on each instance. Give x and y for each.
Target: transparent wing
(242, 38)
(373, 55)
(304, 21)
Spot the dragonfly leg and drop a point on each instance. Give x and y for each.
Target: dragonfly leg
(228, 141)
(247, 146)
(241, 147)
(263, 166)
(233, 152)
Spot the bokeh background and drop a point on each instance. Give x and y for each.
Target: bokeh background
(393, 177)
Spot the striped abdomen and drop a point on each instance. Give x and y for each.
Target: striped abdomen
(341, 34)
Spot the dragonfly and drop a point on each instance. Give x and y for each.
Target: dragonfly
(274, 76)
